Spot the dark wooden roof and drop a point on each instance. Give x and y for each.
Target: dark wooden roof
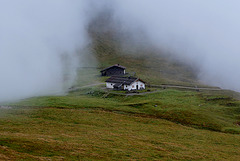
(116, 65)
(122, 80)
(117, 85)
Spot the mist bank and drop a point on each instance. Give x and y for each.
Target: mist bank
(203, 34)
(41, 41)
(38, 46)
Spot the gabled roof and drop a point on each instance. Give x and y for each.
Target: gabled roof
(116, 65)
(117, 85)
(122, 80)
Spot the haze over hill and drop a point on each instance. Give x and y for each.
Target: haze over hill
(203, 34)
(38, 46)
(48, 46)
(42, 41)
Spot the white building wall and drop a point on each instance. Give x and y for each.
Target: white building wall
(109, 85)
(141, 85)
(127, 87)
(133, 86)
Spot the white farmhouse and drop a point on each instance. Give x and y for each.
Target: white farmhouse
(125, 83)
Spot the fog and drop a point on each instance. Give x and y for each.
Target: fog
(38, 43)
(39, 40)
(204, 34)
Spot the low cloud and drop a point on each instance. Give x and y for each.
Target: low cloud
(41, 41)
(38, 44)
(204, 34)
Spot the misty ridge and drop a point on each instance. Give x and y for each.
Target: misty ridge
(42, 43)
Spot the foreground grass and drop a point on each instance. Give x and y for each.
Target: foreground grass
(213, 112)
(90, 124)
(88, 134)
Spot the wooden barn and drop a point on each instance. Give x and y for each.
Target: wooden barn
(125, 83)
(113, 70)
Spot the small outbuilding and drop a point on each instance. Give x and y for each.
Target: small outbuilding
(113, 70)
(125, 83)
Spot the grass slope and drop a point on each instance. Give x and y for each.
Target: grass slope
(112, 45)
(195, 109)
(93, 124)
(90, 134)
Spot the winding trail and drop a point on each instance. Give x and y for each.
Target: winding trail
(187, 87)
(165, 86)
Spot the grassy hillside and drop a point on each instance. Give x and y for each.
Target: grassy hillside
(195, 109)
(93, 123)
(111, 44)
(86, 126)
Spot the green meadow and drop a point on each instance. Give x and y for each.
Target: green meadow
(89, 124)
(92, 123)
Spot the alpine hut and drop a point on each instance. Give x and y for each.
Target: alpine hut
(113, 70)
(125, 83)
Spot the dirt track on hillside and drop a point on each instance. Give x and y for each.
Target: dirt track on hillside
(187, 87)
(165, 86)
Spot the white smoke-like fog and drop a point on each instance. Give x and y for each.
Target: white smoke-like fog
(205, 34)
(38, 42)
(39, 39)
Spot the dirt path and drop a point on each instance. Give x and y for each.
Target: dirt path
(167, 86)
(133, 94)
(186, 87)
(154, 86)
